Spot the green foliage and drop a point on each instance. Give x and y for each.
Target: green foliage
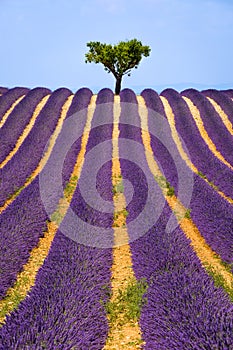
(128, 302)
(227, 266)
(57, 217)
(70, 186)
(69, 189)
(119, 59)
(187, 214)
(14, 298)
(121, 213)
(136, 343)
(119, 187)
(201, 174)
(219, 281)
(170, 190)
(18, 190)
(163, 183)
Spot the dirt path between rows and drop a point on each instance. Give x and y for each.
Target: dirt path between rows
(122, 335)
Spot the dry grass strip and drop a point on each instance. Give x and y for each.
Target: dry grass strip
(206, 255)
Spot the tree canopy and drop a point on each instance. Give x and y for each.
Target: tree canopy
(119, 59)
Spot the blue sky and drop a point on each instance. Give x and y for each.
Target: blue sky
(43, 42)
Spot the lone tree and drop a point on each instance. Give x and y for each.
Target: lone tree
(118, 59)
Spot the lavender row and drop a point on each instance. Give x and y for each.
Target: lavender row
(21, 226)
(210, 212)
(212, 123)
(77, 111)
(129, 144)
(167, 157)
(204, 202)
(9, 97)
(24, 221)
(58, 169)
(164, 148)
(65, 308)
(184, 309)
(18, 120)
(228, 92)
(199, 153)
(22, 164)
(92, 204)
(3, 90)
(53, 177)
(223, 100)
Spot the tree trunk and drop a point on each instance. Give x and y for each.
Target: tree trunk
(118, 85)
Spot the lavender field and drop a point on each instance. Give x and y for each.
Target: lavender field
(97, 191)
